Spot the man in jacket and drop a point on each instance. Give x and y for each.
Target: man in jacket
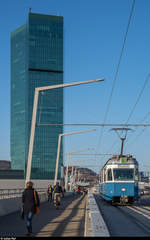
(30, 200)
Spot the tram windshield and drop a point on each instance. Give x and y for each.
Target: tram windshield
(123, 174)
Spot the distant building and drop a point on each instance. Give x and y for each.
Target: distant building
(82, 173)
(4, 165)
(7, 173)
(36, 61)
(144, 176)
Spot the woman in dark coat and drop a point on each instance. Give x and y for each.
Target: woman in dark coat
(30, 200)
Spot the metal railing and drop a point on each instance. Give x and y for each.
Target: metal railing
(15, 193)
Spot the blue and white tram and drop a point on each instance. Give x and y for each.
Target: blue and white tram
(119, 180)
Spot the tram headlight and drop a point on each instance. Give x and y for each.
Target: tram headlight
(123, 189)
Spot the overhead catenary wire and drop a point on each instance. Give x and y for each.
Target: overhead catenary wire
(133, 109)
(96, 124)
(117, 71)
(137, 136)
(138, 98)
(146, 116)
(141, 132)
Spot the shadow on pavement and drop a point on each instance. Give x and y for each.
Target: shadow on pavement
(13, 226)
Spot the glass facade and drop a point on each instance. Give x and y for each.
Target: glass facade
(37, 60)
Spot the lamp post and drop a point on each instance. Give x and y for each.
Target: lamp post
(35, 104)
(58, 148)
(67, 164)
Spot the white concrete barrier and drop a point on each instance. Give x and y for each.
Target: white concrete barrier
(99, 228)
(11, 205)
(20, 183)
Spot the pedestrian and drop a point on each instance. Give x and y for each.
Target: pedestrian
(30, 200)
(49, 192)
(78, 190)
(73, 192)
(57, 192)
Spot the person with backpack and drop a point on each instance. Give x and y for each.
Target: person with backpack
(57, 192)
(30, 200)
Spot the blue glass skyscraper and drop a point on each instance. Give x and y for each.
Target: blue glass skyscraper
(37, 60)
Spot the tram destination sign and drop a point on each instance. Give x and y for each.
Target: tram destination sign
(125, 166)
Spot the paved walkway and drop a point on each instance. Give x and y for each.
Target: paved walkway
(68, 220)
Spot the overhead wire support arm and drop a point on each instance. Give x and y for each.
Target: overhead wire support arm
(34, 113)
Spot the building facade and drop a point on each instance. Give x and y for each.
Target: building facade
(37, 60)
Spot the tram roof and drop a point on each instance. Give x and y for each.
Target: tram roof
(121, 159)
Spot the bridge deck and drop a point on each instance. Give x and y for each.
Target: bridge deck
(68, 220)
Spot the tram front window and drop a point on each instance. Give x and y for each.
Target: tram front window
(123, 174)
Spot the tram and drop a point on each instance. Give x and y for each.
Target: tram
(118, 181)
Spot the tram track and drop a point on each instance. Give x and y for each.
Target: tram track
(141, 210)
(133, 220)
(139, 216)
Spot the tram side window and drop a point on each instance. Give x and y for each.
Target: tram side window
(104, 175)
(100, 178)
(109, 175)
(136, 174)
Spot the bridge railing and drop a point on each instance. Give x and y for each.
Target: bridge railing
(14, 193)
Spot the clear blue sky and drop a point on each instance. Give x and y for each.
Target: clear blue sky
(93, 36)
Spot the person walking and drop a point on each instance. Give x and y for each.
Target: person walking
(57, 192)
(49, 192)
(30, 200)
(78, 190)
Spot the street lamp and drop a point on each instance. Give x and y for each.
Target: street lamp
(58, 148)
(35, 104)
(67, 164)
